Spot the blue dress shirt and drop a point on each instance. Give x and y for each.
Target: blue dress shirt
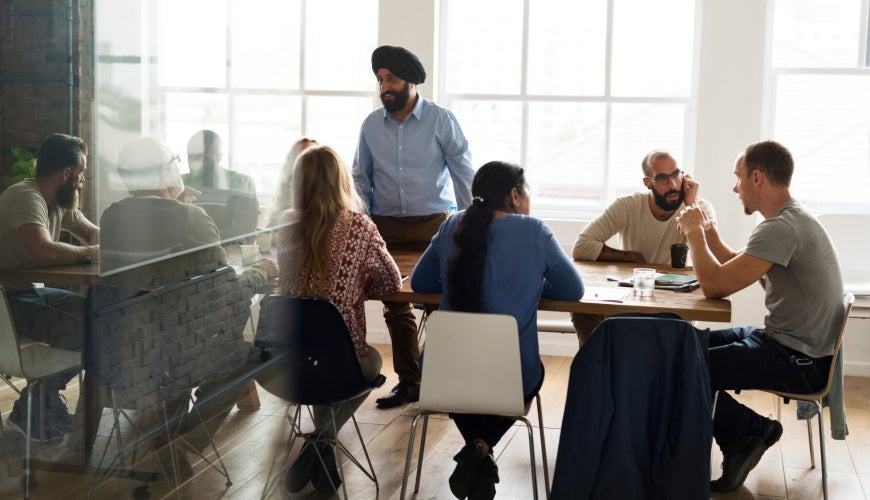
(419, 167)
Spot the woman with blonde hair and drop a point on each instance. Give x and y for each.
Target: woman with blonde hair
(328, 249)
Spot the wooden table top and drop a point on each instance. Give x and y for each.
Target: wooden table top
(691, 306)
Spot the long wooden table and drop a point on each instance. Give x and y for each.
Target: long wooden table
(692, 306)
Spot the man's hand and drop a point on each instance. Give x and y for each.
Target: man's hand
(189, 195)
(692, 219)
(270, 267)
(690, 190)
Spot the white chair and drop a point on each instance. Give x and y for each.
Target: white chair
(816, 398)
(472, 365)
(850, 234)
(32, 361)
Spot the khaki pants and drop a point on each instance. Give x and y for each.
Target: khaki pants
(584, 324)
(406, 233)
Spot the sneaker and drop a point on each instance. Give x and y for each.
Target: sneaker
(325, 476)
(17, 423)
(737, 464)
(299, 474)
(484, 487)
(404, 392)
(464, 476)
(771, 432)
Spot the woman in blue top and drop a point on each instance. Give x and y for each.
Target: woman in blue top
(494, 258)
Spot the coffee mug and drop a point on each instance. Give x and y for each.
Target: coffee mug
(679, 252)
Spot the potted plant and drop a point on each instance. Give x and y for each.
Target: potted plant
(23, 168)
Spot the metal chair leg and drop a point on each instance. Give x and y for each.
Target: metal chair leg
(543, 447)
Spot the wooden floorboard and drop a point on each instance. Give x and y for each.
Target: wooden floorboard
(249, 443)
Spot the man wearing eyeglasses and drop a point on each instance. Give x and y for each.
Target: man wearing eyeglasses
(644, 222)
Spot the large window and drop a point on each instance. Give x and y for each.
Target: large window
(575, 92)
(260, 73)
(820, 89)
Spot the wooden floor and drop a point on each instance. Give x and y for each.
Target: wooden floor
(248, 442)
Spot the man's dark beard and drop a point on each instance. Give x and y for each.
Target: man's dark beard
(662, 201)
(400, 99)
(67, 196)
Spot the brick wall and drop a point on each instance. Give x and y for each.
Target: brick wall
(157, 346)
(35, 74)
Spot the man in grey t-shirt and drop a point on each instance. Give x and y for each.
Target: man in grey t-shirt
(34, 213)
(790, 255)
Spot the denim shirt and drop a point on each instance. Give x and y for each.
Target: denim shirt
(421, 166)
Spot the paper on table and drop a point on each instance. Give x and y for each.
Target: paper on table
(605, 294)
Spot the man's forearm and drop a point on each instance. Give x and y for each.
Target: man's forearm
(613, 255)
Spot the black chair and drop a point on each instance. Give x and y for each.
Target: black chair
(321, 367)
(234, 213)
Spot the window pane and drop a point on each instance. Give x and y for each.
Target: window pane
(825, 121)
(493, 130)
(636, 130)
(187, 113)
(265, 44)
(264, 129)
(567, 51)
(652, 48)
(324, 113)
(338, 48)
(566, 153)
(816, 33)
(192, 54)
(477, 61)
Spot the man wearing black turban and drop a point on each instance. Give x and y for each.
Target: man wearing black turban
(412, 167)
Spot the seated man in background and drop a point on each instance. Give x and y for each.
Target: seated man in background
(643, 220)
(178, 239)
(790, 255)
(34, 213)
(229, 197)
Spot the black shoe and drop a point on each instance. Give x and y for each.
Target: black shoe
(405, 392)
(468, 462)
(737, 464)
(484, 487)
(771, 432)
(299, 474)
(325, 476)
(17, 422)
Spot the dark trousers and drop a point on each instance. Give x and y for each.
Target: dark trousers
(406, 233)
(51, 315)
(489, 428)
(746, 358)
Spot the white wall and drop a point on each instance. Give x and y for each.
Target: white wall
(730, 115)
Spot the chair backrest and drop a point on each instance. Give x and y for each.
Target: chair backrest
(10, 356)
(851, 238)
(471, 364)
(322, 367)
(848, 301)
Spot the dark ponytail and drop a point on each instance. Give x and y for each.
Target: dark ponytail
(491, 187)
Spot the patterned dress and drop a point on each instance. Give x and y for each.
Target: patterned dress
(360, 268)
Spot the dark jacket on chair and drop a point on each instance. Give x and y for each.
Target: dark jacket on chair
(637, 418)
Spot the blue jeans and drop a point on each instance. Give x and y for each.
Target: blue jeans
(745, 358)
(51, 315)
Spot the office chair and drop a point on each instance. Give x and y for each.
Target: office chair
(321, 368)
(457, 379)
(816, 397)
(34, 362)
